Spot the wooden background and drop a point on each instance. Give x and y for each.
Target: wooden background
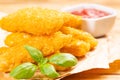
(113, 73)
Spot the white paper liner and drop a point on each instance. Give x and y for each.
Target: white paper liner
(114, 47)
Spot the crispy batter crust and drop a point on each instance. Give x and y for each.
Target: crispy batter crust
(38, 21)
(47, 44)
(81, 35)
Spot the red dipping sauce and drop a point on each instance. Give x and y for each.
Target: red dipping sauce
(90, 13)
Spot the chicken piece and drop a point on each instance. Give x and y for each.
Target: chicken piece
(72, 20)
(81, 35)
(12, 57)
(47, 44)
(17, 38)
(38, 21)
(77, 47)
(2, 50)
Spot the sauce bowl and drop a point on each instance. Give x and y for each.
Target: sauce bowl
(96, 26)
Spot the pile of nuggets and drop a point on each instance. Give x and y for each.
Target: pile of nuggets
(48, 30)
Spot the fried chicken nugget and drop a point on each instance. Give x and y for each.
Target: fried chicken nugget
(12, 57)
(47, 44)
(81, 35)
(77, 47)
(38, 21)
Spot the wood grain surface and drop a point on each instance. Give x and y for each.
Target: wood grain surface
(113, 73)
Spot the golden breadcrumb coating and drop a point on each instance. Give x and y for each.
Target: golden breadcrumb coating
(17, 38)
(72, 20)
(81, 35)
(13, 57)
(38, 21)
(77, 47)
(47, 44)
(2, 50)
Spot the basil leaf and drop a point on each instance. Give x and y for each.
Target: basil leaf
(35, 54)
(63, 59)
(23, 71)
(48, 70)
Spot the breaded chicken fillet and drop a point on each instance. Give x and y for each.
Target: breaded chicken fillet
(13, 57)
(38, 21)
(81, 35)
(47, 44)
(76, 47)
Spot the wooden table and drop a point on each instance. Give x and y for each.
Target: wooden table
(113, 73)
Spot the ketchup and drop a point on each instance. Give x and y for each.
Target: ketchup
(90, 13)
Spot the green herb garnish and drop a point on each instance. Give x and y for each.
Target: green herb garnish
(27, 70)
(49, 70)
(24, 71)
(63, 59)
(35, 54)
